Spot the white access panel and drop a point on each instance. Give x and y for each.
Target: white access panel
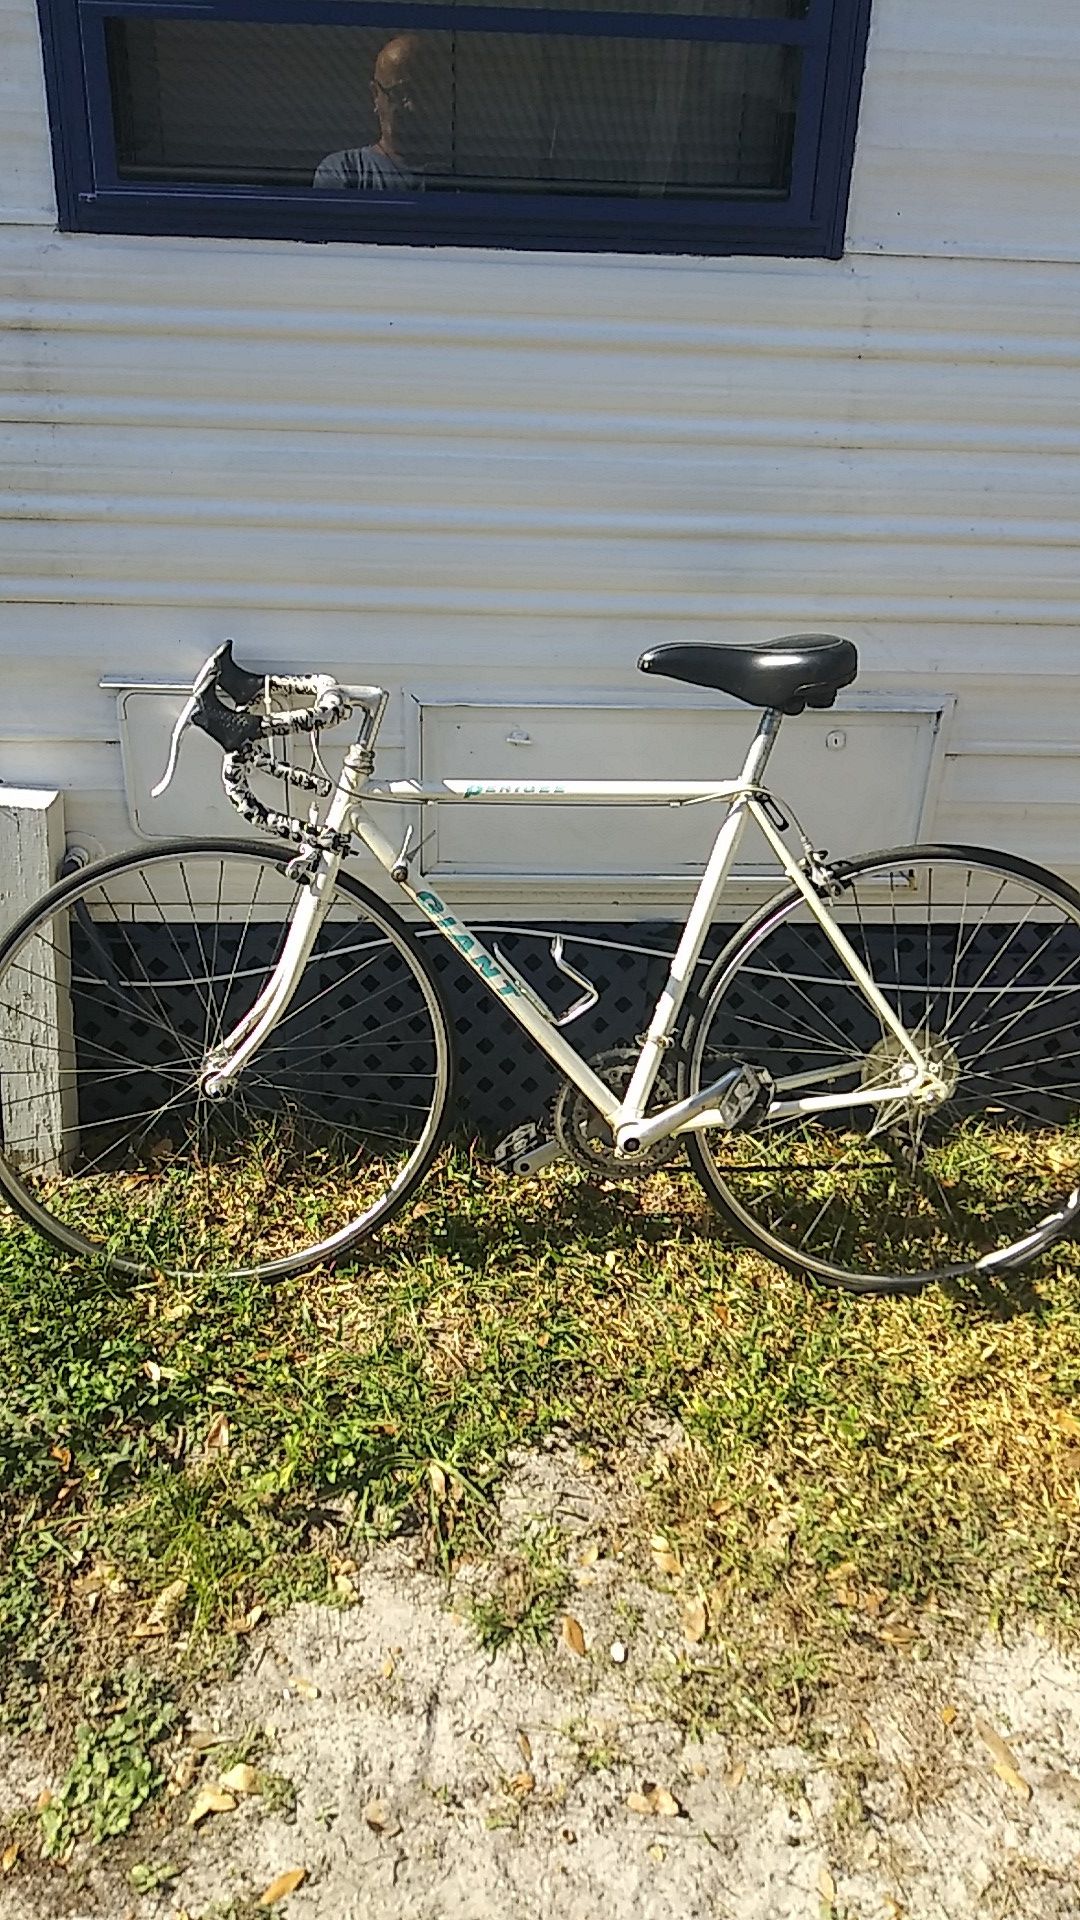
(858, 778)
(194, 804)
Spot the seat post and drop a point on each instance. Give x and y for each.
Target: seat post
(761, 746)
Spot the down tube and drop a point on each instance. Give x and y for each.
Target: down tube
(506, 989)
(526, 1012)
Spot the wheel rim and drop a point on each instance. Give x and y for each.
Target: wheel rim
(983, 962)
(109, 1002)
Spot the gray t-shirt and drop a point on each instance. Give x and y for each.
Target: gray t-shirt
(365, 167)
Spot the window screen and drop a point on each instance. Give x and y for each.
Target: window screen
(553, 113)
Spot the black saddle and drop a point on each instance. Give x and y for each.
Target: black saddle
(805, 670)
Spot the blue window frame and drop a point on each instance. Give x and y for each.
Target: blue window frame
(659, 126)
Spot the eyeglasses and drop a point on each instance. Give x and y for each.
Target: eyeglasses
(399, 94)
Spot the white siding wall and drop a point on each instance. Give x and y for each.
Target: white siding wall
(504, 475)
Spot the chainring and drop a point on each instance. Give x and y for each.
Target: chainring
(584, 1135)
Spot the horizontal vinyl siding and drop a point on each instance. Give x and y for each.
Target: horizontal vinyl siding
(498, 452)
(27, 195)
(969, 139)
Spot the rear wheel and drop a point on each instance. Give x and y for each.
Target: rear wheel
(979, 955)
(112, 992)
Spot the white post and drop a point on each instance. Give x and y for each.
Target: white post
(37, 1046)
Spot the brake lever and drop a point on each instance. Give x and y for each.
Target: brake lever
(237, 683)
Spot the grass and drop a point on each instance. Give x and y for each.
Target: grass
(113, 1772)
(851, 1469)
(525, 1594)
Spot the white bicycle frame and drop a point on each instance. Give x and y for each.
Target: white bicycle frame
(626, 1113)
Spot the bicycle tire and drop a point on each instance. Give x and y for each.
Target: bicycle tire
(162, 949)
(751, 1006)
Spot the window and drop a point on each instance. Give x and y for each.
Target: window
(690, 126)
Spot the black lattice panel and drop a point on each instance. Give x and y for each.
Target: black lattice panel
(505, 1079)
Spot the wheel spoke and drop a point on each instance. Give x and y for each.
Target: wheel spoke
(891, 1196)
(329, 1126)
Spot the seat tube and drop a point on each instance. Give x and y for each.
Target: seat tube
(694, 933)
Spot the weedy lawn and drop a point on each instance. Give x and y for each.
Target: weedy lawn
(176, 1463)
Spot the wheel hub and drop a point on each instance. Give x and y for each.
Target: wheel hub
(887, 1061)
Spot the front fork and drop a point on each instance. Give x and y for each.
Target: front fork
(225, 1061)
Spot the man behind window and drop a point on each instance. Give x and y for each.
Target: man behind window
(408, 94)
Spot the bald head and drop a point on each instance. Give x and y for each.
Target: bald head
(408, 88)
(399, 60)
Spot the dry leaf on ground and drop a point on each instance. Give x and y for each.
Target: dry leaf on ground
(1013, 1779)
(572, 1634)
(665, 1559)
(735, 1776)
(240, 1779)
(899, 1636)
(948, 1715)
(525, 1745)
(521, 1785)
(377, 1815)
(841, 1575)
(217, 1435)
(657, 1852)
(826, 1885)
(1067, 1423)
(1004, 1758)
(305, 1688)
(281, 1888)
(436, 1480)
(654, 1800)
(9, 1857)
(210, 1800)
(203, 1738)
(164, 1610)
(695, 1619)
(992, 1739)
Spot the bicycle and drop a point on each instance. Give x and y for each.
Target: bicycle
(875, 1080)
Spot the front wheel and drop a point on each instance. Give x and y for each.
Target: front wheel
(979, 955)
(114, 990)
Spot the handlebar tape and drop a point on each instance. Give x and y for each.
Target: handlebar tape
(239, 733)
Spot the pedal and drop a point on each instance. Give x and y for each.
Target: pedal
(746, 1099)
(526, 1150)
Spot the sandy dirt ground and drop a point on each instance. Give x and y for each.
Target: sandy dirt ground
(417, 1777)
